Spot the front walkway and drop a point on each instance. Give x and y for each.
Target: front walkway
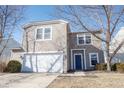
(26, 80)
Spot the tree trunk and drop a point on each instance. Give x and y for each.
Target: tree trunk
(108, 65)
(108, 57)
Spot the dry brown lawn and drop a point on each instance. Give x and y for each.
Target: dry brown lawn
(96, 80)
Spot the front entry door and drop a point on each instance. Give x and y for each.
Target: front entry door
(78, 61)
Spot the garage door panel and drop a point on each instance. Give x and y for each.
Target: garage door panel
(42, 66)
(27, 64)
(45, 62)
(33, 60)
(57, 64)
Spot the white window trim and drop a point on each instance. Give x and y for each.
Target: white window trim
(85, 67)
(84, 35)
(91, 39)
(43, 33)
(90, 58)
(78, 39)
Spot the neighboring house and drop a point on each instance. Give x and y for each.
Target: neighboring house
(119, 57)
(8, 52)
(50, 46)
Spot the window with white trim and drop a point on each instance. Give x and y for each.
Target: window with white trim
(39, 33)
(88, 39)
(44, 33)
(93, 58)
(83, 39)
(47, 33)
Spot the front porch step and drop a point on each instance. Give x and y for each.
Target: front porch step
(74, 74)
(80, 73)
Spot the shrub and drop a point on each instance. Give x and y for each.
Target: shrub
(101, 66)
(2, 66)
(13, 66)
(70, 71)
(120, 67)
(114, 66)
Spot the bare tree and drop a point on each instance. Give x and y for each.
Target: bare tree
(10, 16)
(106, 19)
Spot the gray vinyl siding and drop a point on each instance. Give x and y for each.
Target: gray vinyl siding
(95, 47)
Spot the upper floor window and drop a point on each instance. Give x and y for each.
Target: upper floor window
(44, 33)
(83, 39)
(88, 39)
(93, 58)
(39, 33)
(47, 33)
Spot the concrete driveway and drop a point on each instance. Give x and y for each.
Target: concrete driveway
(26, 80)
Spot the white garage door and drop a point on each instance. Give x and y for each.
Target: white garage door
(43, 63)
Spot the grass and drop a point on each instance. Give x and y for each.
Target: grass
(96, 80)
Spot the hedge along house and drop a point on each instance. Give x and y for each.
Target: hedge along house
(50, 46)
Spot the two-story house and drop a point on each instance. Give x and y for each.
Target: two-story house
(50, 46)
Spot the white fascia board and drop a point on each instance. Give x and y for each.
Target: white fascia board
(43, 22)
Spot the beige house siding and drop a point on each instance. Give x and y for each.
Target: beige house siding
(59, 38)
(58, 42)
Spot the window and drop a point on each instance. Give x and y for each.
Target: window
(44, 34)
(39, 34)
(47, 33)
(88, 39)
(93, 59)
(83, 39)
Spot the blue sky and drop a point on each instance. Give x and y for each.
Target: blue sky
(39, 13)
(33, 13)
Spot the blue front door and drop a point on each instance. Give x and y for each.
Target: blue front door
(78, 65)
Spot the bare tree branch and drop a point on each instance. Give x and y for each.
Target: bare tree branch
(96, 18)
(9, 17)
(116, 50)
(116, 22)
